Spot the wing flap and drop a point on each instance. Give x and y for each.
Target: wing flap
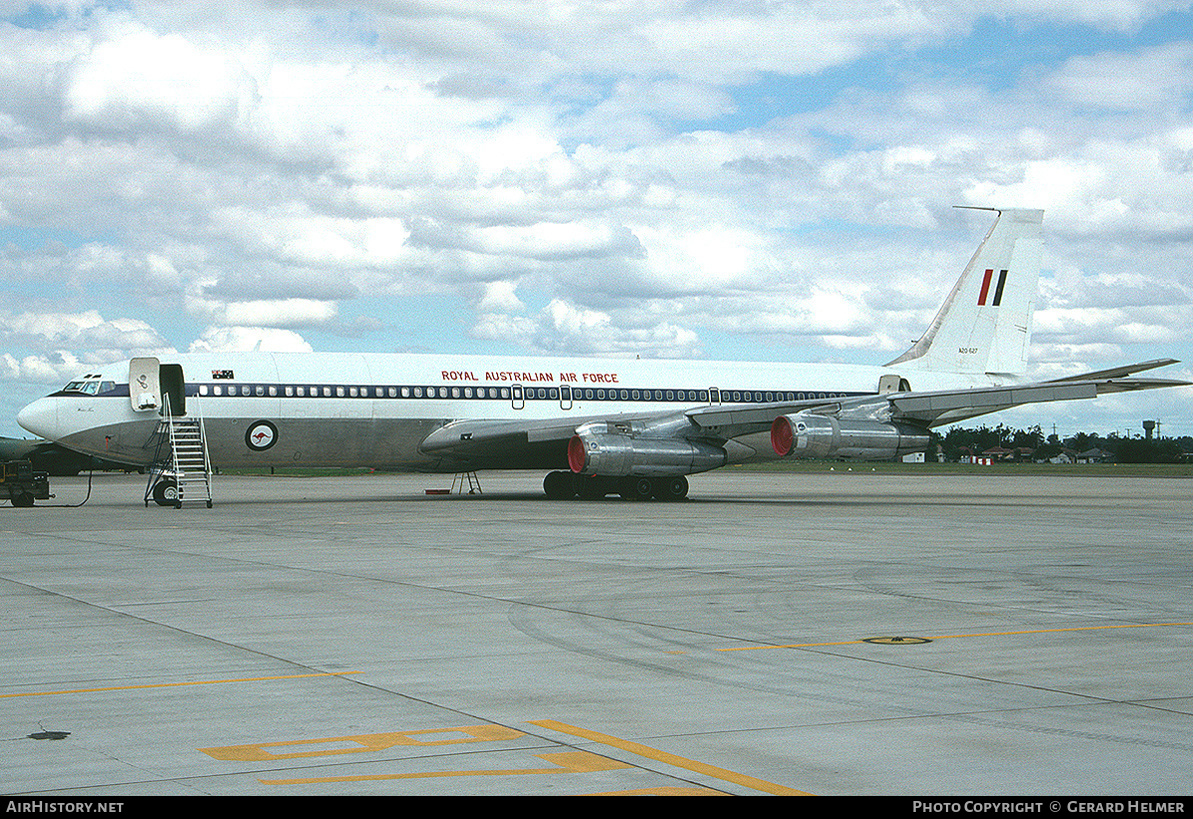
(932, 406)
(467, 437)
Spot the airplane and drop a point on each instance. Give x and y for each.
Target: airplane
(600, 426)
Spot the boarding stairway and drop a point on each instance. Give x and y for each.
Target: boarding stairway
(181, 469)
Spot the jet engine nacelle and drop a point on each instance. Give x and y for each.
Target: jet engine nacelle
(804, 435)
(599, 449)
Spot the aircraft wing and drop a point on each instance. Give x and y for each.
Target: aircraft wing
(935, 408)
(925, 409)
(543, 442)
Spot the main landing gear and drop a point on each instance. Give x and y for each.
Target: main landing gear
(567, 485)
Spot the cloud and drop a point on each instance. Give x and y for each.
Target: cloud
(57, 367)
(249, 339)
(102, 339)
(500, 297)
(133, 77)
(266, 312)
(1154, 79)
(561, 327)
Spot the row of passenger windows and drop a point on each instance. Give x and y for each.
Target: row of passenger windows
(507, 393)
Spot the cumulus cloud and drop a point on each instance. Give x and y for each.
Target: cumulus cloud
(87, 330)
(134, 77)
(500, 296)
(267, 312)
(1154, 79)
(561, 327)
(249, 339)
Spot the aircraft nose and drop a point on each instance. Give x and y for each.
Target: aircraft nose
(41, 418)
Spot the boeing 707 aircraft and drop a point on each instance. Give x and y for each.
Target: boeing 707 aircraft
(598, 426)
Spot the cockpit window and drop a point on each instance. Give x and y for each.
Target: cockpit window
(90, 386)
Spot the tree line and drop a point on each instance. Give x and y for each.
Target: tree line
(1032, 444)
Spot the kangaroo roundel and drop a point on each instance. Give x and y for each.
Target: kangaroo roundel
(260, 436)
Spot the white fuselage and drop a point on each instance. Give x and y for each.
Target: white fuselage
(369, 409)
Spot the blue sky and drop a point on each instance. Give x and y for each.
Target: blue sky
(744, 181)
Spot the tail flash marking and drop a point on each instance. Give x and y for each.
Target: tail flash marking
(985, 286)
(1002, 280)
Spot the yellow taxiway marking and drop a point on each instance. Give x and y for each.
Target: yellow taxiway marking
(175, 684)
(670, 759)
(361, 743)
(957, 636)
(563, 762)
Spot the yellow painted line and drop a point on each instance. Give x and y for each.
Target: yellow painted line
(564, 762)
(362, 743)
(958, 636)
(792, 645)
(670, 759)
(176, 684)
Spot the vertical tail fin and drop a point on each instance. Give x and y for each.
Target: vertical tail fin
(984, 326)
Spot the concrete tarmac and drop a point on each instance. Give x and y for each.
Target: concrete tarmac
(829, 633)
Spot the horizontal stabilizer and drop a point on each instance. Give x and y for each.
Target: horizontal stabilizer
(936, 408)
(1117, 372)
